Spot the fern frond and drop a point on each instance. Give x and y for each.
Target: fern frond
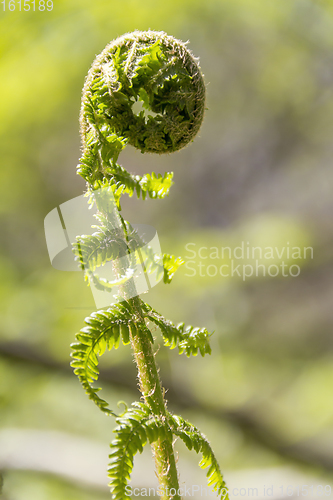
(152, 185)
(105, 245)
(165, 264)
(92, 251)
(136, 427)
(103, 147)
(170, 264)
(157, 186)
(195, 440)
(88, 165)
(189, 340)
(159, 71)
(104, 330)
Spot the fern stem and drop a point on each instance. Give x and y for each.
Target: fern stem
(152, 392)
(151, 389)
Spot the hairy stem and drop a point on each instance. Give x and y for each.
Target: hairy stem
(151, 390)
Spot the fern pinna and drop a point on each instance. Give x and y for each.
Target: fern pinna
(159, 72)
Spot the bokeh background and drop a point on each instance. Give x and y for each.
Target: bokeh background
(260, 172)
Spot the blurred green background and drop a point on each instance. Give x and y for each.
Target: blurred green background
(259, 172)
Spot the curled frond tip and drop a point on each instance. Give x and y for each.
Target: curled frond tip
(145, 89)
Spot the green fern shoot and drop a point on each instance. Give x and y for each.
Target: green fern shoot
(160, 73)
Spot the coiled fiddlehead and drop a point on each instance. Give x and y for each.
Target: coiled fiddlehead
(159, 72)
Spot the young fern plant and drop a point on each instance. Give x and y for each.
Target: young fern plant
(160, 72)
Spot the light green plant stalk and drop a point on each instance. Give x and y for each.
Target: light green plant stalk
(161, 73)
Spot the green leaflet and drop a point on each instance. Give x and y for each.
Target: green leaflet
(92, 251)
(105, 245)
(170, 264)
(152, 185)
(159, 263)
(108, 244)
(155, 186)
(136, 427)
(189, 340)
(103, 330)
(163, 264)
(195, 440)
